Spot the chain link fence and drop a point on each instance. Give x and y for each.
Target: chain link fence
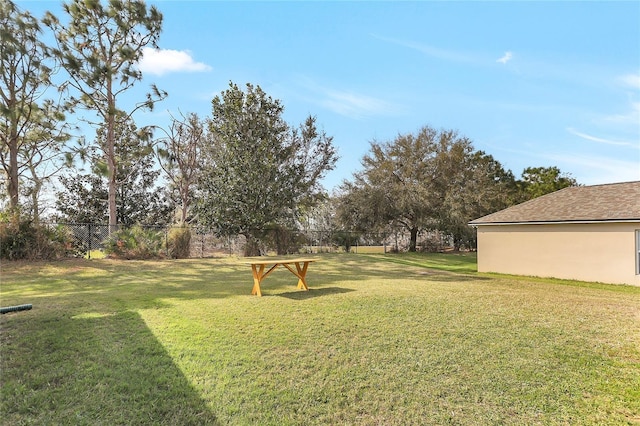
(88, 240)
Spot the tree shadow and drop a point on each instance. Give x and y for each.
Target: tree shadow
(314, 292)
(108, 286)
(93, 369)
(445, 276)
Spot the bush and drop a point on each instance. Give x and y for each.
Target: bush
(179, 243)
(134, 243)
(21, 239)
(344, 239)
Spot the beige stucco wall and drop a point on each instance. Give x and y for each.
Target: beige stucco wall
(603, 252)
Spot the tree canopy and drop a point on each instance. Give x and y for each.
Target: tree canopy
(257, 170)
(538, 181)
(432, 179)
(178, 153)
(31, 133)
(139, 200)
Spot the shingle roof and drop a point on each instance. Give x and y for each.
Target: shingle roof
(599, 203)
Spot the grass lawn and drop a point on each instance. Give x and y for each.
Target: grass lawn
(378, 340)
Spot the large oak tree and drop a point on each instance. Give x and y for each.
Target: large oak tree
(433, 179)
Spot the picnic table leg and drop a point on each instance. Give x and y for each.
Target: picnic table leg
(302, 274)
(257, 277)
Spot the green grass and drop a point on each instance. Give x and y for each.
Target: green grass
(379, 339)
(462, 262)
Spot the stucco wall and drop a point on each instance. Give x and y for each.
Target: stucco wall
(603, 252)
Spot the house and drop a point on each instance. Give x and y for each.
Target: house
(588, 233)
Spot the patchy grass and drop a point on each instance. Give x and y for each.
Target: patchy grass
(462, 262)
(379, 339)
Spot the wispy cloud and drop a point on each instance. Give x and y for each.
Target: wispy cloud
(346, 102)
(632, 117)
(597, 139)
(598, 169)
(505, 58)
(631, 80)
(590, 169)
(435, 52)
(163, 61)
(354, 105)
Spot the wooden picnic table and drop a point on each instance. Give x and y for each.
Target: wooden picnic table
(258, 267)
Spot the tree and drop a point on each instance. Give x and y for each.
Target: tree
(25, 70)
(138, 200)
(402, 183)
(258, 171)
(477, 185)
(43, 153)
(178, 154)
(84, 198)
(537, 181)
(430, 180)
(99, 48)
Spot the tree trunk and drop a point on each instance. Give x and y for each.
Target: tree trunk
(252, 247)
(414, 239)
(12, 186)
(35, 195)
(185, 203)
(457, 243)
(111, 167)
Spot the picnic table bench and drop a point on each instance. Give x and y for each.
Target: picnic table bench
(258, 267)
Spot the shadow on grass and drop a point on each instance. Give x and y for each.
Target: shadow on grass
(314, 292)
(92, 369)
(115, 286)
(439, 276)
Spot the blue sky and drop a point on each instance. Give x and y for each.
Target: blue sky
(531, 83)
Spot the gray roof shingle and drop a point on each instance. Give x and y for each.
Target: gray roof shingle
(598, 203)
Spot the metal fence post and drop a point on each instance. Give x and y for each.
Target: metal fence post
(166, 239)
(89, 234)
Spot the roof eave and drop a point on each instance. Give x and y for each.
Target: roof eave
(556, 222)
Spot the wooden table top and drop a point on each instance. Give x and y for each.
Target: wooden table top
(273, 261)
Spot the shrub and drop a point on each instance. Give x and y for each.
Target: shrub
(21, 239)
(134, 243)
(179, 243)
(344, 239)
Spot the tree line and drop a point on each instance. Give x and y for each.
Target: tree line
(241, 170)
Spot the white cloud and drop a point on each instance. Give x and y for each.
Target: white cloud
(505, 58)
(163, 61)
(597, 139)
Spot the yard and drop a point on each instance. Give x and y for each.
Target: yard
(379, 339)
